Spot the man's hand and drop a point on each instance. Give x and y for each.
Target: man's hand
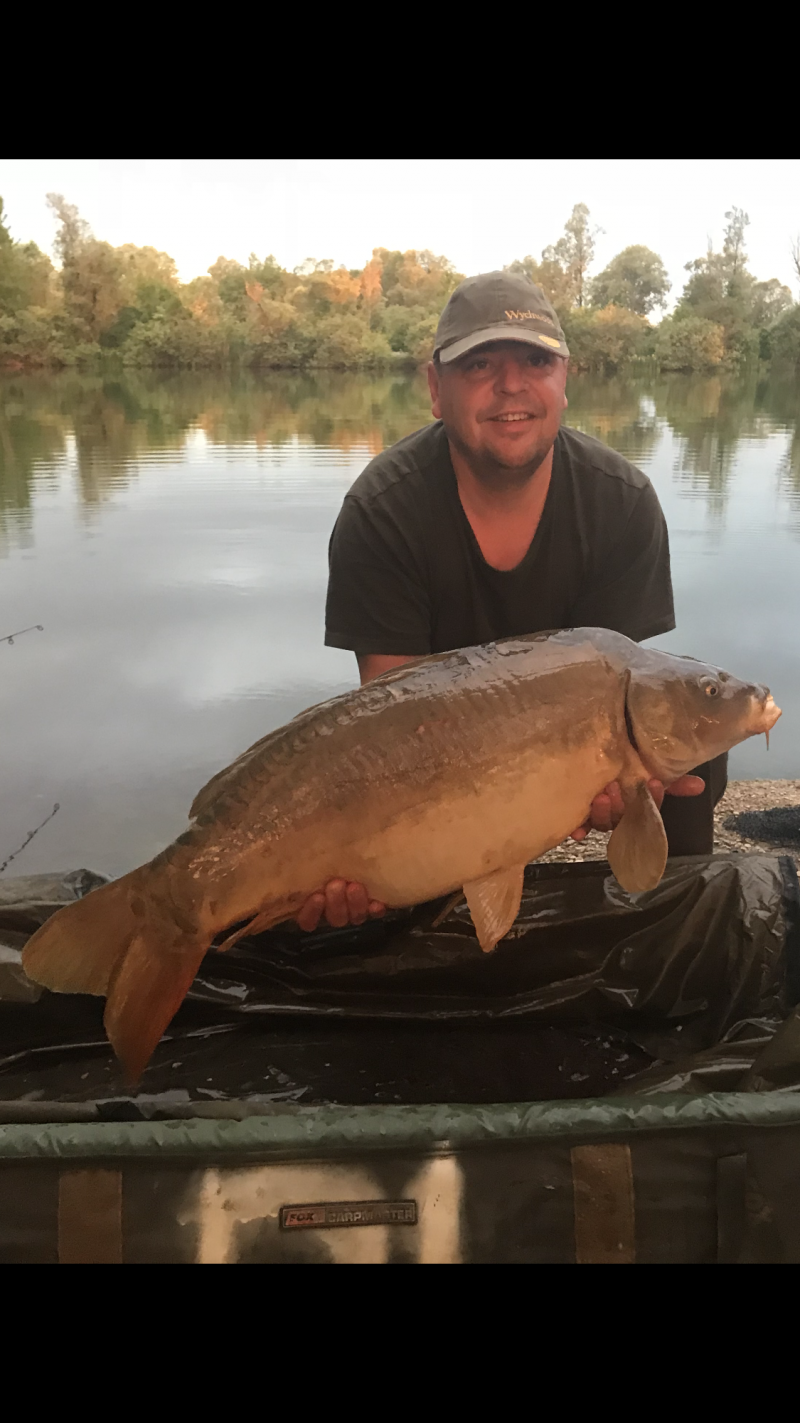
(341, 903)
(607, 808)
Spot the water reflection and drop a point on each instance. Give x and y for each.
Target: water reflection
(621, 413)
(782, 399)
(116, 423)
(170, 531)
(105, 427)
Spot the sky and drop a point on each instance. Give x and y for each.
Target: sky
(481, 213)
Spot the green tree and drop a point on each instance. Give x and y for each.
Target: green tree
(548, 274)
(146, 266)
(92, 273)
(269, 274)
(770, 300)
(416, 278)
(635, 279)
(230, 279)
(73, 231)
(574, 252)
(733, 249)
(722, 290)
(785, 338)
(26, 274)
(720, 286)
(411, 330)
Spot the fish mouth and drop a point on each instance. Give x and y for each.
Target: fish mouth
(765, 715)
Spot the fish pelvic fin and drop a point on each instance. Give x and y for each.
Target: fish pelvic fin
(77, 949)
(637, 850)
(494, 904)
(149, 984)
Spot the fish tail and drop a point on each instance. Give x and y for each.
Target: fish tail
(117, 943)
(76, 950)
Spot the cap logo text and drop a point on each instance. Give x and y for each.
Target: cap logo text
(530, 316)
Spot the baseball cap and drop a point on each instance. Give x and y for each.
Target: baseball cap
(497, 306)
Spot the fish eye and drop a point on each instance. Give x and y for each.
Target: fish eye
(711, 689)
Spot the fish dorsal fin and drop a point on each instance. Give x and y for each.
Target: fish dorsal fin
(637, 851)
(494, 904)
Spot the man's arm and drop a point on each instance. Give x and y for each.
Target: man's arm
(378, 600)
(374, 663)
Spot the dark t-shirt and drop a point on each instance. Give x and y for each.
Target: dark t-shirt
(407, 574)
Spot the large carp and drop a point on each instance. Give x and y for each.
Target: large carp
(452, 771)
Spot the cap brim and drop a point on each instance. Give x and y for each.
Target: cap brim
(502, 333)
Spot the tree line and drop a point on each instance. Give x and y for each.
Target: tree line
(127, 305)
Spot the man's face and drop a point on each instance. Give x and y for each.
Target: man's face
(501, 405)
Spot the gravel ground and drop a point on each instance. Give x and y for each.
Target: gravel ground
(760, 815)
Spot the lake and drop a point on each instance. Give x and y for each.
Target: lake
(169, 532)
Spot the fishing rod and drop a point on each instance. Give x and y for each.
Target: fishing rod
(9, 638)
(30, 836)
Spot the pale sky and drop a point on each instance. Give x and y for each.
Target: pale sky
(481, 213)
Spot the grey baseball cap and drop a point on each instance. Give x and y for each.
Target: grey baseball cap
(497, 306)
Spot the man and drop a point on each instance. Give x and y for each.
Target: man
(495, 521)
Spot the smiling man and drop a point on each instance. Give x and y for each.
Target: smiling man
(496, 521)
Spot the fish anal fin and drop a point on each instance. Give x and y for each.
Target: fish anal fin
(146, 991)
(637, 850)
(494, 904)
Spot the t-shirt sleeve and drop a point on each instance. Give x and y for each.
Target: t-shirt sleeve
(631, 588)
(378, 600)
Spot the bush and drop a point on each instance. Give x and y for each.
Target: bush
(348, 343)
(38, 338)
(690, 344)
(167, 341)
(604, 340)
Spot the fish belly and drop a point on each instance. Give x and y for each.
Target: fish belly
(436, 846)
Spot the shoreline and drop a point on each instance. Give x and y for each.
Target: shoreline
(740, 796)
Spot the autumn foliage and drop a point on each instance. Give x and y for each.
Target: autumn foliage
(127, 305)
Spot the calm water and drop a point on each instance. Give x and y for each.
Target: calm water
(170, 534)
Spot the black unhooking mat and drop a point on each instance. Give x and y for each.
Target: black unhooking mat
(690, 988)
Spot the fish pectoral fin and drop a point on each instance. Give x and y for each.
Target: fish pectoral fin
(637, 851)
(494, 904)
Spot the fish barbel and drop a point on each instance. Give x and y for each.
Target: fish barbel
(455, 770)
